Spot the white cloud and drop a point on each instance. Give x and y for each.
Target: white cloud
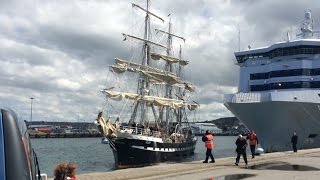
(66, 83)
(58, 51)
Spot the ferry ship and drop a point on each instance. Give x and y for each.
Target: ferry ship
(279, 91)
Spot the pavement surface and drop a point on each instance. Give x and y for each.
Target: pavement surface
(303, 165)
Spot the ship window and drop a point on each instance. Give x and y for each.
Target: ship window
(296, 72)
(315, 71)
(288, 51)
(276, 73)
(305, 84)
(276, 86)
(305, 72)
(259, 76)
(286, 85)
(312, 135)
(295, 85)
(285, 73)
(315, 84)
(259, 87)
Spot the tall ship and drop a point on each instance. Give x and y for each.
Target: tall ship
(155, 100)
(279, 91)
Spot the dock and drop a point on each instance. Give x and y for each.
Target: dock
(281, 165)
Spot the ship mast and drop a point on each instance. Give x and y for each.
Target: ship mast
(179, 73)
(143, 83)
(169, 68)
(149, 76)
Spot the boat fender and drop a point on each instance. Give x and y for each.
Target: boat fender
(259, 151)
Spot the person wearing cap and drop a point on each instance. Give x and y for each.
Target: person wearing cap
(294, 141)
(208, 140)
(241, 149)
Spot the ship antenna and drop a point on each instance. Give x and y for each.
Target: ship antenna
(239, 37)
(307, 26)
(288, 36)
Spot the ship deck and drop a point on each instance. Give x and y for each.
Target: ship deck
(281, 165)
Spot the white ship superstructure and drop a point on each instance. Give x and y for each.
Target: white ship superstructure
(279, 91)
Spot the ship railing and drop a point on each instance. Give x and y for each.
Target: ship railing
(140, 131)
(247, 97)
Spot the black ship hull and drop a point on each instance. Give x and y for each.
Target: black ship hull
(137, 152)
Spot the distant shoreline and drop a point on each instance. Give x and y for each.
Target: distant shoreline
(64, 135)
(86, 135)
(219, 134)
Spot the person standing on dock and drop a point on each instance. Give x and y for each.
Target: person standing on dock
(253, 141)
(294, 141)
(208, 140)
(241, 149)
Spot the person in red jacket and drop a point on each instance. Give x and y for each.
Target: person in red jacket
(208, 140)
(253, 141)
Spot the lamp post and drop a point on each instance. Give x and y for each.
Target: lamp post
(31, 110)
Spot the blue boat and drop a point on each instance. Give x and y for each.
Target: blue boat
(104, 141)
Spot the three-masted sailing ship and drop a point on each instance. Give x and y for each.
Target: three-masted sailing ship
(158, 129)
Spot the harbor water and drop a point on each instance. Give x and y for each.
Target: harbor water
(92, 156)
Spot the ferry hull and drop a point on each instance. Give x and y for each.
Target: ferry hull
(275, 122)
(136, 153)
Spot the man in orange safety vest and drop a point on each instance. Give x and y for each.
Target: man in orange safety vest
(208, 140)
(253, 141)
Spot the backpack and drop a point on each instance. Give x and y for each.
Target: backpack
(204, 138)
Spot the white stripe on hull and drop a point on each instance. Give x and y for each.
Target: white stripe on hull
(163, 149)
(139, 137)
(275, 122)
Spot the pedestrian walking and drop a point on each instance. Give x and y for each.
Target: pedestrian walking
(207, 138)
(294, 141)
(241, 149)
(253, 141)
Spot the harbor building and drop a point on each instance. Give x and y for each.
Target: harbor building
(201, 128)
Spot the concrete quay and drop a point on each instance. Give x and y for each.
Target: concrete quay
(281, 165)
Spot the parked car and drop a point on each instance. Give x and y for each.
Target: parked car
(18, 161)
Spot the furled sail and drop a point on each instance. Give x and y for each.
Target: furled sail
(154, 100)
(161, 77)
(169, 59)
(189, 86)
(118, 69)
(123, 65)
(156, 76)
